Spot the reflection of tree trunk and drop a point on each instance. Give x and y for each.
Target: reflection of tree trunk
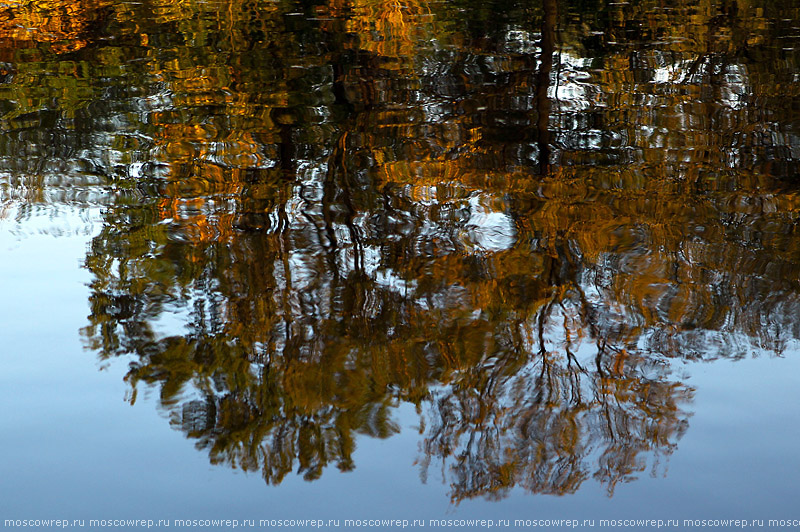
(543, 82)
(328, 200)
(339, 91)
(286, 148)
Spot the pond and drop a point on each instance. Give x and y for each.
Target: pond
(526, 262)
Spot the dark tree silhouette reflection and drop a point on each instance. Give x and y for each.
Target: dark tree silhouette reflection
(521, 228)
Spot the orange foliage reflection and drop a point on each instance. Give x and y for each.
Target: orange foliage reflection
(517, 226)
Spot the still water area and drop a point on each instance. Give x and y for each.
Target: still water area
(408, 259)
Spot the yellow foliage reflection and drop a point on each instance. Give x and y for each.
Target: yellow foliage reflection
(516, 221)
(61, 23)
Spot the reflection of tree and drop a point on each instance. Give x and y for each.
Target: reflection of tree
(558, 397)
(286, 374)
(531, 320)
(513, 227)
(549, 423)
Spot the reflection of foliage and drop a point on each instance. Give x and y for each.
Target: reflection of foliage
(513, 226)
(281, 378)
(61, 24)
(543, 425)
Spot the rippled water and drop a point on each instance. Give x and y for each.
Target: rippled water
(501, 248)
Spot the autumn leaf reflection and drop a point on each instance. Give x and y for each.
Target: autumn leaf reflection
(64, 25)
(519, 228)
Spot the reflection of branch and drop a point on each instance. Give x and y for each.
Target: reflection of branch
(328, 197)
(693, 68)
(329, 236)
(338, 158)
(549, 21)
(283, 254)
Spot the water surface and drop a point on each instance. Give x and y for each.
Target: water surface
(400, 258)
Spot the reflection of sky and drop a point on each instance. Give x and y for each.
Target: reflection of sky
(77, 450)
(72, 429)
(487, 229)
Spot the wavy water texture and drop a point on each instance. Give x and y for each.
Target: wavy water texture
(517, 217)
